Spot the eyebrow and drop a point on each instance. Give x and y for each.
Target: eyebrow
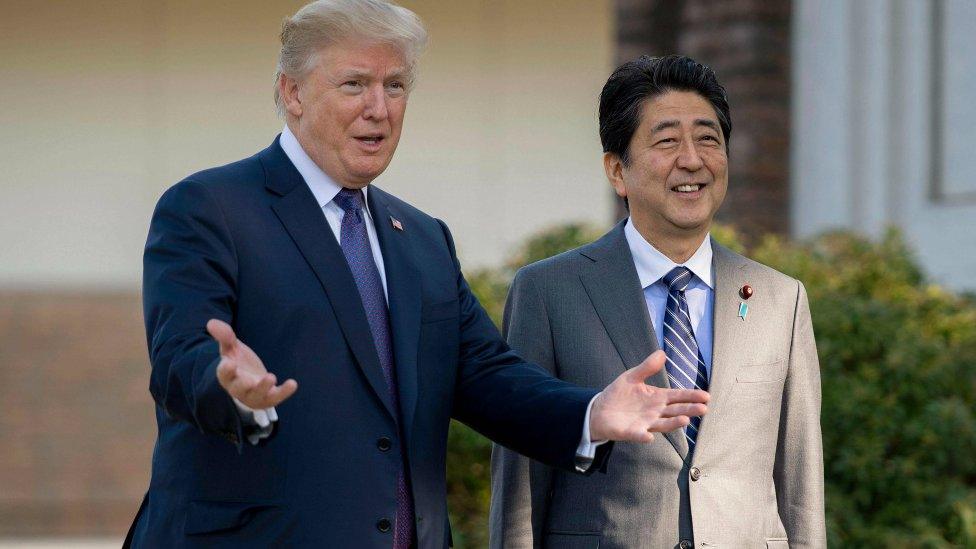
(399, 72)
(667, 124)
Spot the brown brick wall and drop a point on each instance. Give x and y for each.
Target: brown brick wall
(76, 416)
(747, 43)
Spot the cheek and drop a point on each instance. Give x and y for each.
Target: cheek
(718, 163)
(396, 114)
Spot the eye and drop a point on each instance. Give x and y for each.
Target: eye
(666, 141)
(352, 85)
(396, 87)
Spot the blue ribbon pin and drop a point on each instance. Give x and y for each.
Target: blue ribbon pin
(743, 310)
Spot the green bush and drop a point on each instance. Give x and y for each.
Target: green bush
(898, 365)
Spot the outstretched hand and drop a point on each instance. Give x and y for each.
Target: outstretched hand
(242, 374)
(631, 410)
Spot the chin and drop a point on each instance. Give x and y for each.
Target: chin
(691, 224)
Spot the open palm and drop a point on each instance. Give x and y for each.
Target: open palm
(242, 373)
(631, 410)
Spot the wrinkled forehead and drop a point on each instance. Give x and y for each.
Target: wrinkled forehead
(364, 57)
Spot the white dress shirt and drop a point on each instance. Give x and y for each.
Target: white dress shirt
(325, 189)
(652, 266)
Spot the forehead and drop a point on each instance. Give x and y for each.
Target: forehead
(682, 106)
(359, 56)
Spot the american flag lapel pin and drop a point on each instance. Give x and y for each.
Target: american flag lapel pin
(396, 223)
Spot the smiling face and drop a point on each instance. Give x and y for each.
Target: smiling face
(678, 171)
(347, 112)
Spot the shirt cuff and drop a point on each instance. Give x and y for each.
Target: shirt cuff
(260, 421)
(586, 450)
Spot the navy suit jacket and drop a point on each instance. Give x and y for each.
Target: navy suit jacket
(247, 243)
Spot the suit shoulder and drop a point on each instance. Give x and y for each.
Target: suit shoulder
(247, 172)
(767, 273)
(559, 266)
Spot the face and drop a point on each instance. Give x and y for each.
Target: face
(348, 111)
(678, 171)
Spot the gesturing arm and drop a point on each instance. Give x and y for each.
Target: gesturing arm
(189, 278)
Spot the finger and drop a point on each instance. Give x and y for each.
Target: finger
(279, 394)
(239, 383)
(651, 365)
(223, 333)
(262, 387)
(684, 409)
(226, 373)
(686, 395)
(664, 425)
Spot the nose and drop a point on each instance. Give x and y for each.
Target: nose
(688, 157)
(375, 107)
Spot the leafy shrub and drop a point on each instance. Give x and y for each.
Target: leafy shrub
(898, 366)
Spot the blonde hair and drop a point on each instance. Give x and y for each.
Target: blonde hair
(323, 23)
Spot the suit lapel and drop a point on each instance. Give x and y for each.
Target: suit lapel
(728, 332)
(614, 289)
(301, 216)
(404, 288)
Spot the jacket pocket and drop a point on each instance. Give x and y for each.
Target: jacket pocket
(762, 373)
(777, 543)
(206, 517)
(572, 540)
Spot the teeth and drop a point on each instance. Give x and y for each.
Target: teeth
(688, 188)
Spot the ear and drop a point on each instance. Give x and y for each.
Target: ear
(615, 173)
(288, 92)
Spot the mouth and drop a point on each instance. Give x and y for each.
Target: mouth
(689, 189)
(371, 142)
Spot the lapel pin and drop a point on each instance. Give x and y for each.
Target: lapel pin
(396, 223)
(745, 292)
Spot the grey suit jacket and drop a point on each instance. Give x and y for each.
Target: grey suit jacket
(756, 476)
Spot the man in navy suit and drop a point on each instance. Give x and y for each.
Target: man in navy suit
(357, 295)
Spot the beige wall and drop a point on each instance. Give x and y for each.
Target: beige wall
(108, 103)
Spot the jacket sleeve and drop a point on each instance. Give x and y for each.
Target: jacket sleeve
(520, 486)
(512, 402)
(189, 277)
(798, 471)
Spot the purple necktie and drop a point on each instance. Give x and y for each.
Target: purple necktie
(359, 255)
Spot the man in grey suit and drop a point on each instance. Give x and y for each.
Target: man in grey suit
(751, 473)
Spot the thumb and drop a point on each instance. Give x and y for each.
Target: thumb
(651, 365)
(223, 333)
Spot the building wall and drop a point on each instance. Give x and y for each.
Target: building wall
(117, 101)
(883, 115)
(109, 103)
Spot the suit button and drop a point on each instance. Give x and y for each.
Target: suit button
(685, 544)
(384, 525)
(384, 444)
(695, 473)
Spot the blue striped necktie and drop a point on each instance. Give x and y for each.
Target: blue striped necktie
(355, 246)
(686, 369)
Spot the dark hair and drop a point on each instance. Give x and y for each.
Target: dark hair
(634, 82)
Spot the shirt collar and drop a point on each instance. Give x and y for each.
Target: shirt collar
(652, 265)
(321, 185)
